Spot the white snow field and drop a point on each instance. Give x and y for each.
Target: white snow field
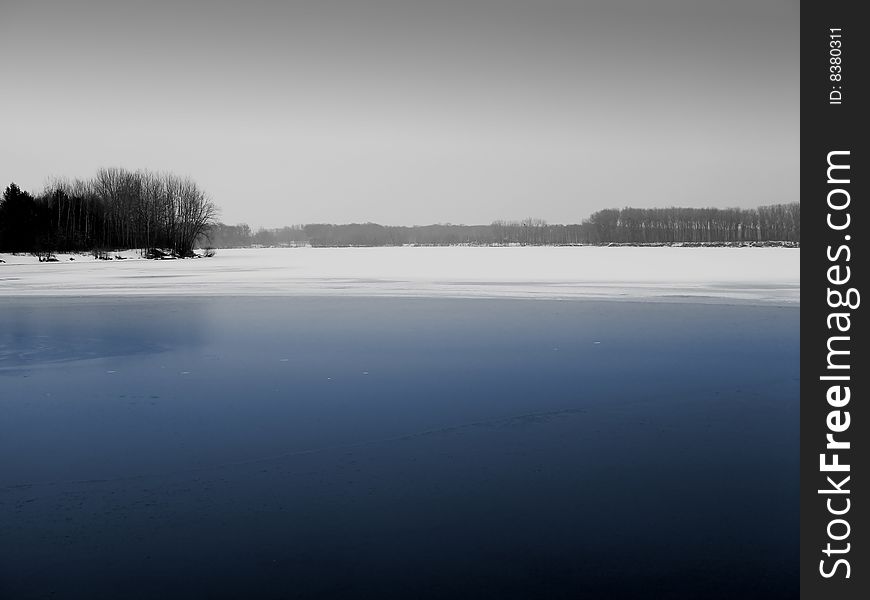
(755, 275)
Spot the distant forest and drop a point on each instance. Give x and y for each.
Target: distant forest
(116, 209)
(161, 212)
(776, 223)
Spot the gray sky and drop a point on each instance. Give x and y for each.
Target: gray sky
(410, 111)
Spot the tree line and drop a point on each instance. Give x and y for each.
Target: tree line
(121, 209)
(115, 209)
(775, 223)
(778, 222)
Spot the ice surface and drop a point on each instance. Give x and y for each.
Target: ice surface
(757, 275)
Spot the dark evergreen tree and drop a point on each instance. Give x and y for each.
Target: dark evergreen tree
(19, 221)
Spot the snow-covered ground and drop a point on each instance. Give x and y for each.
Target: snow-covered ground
(759, 275)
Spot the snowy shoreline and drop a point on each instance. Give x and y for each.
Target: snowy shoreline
(708, 274)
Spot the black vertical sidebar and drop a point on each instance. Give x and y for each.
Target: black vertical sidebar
(834, 429)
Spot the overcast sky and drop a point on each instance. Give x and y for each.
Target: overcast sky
(410, 111)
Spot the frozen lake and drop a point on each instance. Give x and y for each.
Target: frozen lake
(756, 275)
(283, 447)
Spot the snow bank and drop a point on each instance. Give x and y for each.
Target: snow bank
(759, 275)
